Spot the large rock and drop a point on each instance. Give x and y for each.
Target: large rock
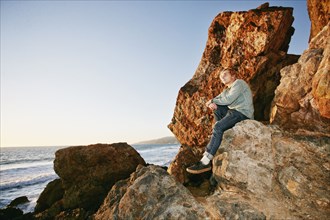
(262, 172)
(50, 195)
(255, 42)
(150, 193)
(319, 14)
(87, 173)
(282, 175)
(302, 100)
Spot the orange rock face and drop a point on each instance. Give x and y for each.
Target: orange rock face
(255, 42)
(319, 14)
(302, 100)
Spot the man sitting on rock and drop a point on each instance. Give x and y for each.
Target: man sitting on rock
(233, 105)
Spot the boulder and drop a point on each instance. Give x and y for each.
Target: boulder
(150, 193)
(51, 194)
(302, 100)
(279, 174)
(18, 201)
(86, 173)
(254, 42)
(319, 14)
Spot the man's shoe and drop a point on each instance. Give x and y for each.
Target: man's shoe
(198, 168)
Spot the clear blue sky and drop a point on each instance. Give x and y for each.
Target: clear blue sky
(84, 72)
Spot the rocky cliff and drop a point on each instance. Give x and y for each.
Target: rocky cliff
(254, 42)
(263, 172)
(283, 175)
(302, 100)
(319, 14)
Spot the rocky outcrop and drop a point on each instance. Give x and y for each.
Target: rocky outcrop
(302, 100)
(319, 14)
(262, 172)
(284, 176)
(18, 201)
(150, 193)
(255, 42)
(50, 195)
(86, 173)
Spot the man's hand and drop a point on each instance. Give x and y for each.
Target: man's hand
(211, 105)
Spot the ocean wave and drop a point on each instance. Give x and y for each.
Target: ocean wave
(25, 160)
(27, 165)
(28, 182)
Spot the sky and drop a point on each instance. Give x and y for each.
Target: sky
(86, 72)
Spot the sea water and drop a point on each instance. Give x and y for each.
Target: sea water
(25, 171)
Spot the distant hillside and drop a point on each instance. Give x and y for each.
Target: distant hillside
(164, 140)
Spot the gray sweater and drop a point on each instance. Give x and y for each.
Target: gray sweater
(238, 96)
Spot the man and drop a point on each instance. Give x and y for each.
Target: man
(233, 105)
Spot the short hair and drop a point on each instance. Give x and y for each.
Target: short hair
(232, 71)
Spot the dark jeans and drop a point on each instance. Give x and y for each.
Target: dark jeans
(225, 119)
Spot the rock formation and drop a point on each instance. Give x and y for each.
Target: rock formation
(302, 100)
(150, 193)
(263, 172)
(255, 42)
(283, 175)
(86, 173)
(319, 14)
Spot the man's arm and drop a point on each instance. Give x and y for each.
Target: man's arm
(228, 96)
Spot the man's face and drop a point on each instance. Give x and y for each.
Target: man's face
(226, 78)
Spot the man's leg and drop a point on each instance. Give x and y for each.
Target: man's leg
(231, 118)
(219, 114)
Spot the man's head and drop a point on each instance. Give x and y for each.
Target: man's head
(227, 76)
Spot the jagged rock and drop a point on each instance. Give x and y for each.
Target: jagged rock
(150, 193)
(282, 175)
(302, 100)
(255, 42)
(319, 14)
(87, 173)
(18, 201)
(51, 194)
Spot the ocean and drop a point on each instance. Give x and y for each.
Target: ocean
(25, 171)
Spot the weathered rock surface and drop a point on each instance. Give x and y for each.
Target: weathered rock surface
(150, 193)
(86, 173)
(262, 172)
(282, 175)
(319, 14)
(255, 42)
(302, 100)
(51, 194)
(183, 159)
